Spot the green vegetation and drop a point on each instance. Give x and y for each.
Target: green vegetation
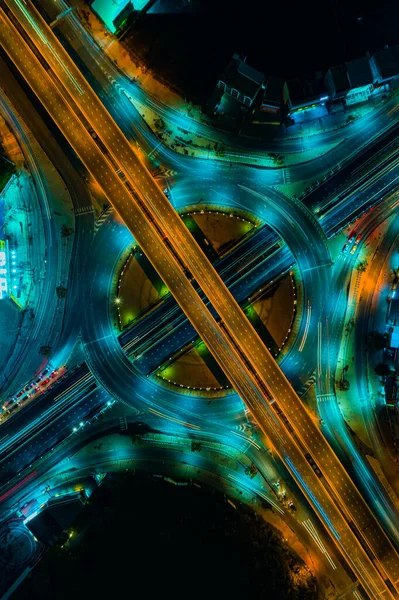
(362, 266)
(382, 369)
(251, 471)
(196, 446)
(378, 340)
(145, 537)
(66, 231)
(6, 170)
(278, 159)
(45, 350)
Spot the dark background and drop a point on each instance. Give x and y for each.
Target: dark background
(145, 538)
(190, 43)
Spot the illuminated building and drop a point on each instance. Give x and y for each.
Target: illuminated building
(337, 82)
(273, 95)
(360, 77)
(385, 64)
(305, 94)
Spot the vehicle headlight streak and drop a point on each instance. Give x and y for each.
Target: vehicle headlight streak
(305, 333)
(311, 496)
(173, 419)
(49, 46)
(258, 493)
(310, 528)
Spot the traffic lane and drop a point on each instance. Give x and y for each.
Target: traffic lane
(362, 328)
(20, 367)
(57, 430)
(350, 172)
(80, 197)
(361, 202)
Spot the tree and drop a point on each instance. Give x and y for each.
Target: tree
(278, 159)
(196, 446)
(251, 471)
(379, 340)
(343, 385)
(137, 439)
(362, 266)
(66, 231)
(382, 369)
(61, 291)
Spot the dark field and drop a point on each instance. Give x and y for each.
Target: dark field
(143, 538)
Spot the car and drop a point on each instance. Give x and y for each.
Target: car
(354, 249)
(351, 239)
(359, 237)
(345, 248)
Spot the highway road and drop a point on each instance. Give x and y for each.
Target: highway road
(335, 427)
(243, 345)
(25, 359)
(206, 411)
(363, 328)
(66, 323)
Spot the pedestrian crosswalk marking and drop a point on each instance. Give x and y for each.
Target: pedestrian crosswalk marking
(83, 210)
(308, 384)
(325, 397)
(102, 218)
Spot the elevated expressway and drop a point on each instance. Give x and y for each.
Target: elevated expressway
(177, 258)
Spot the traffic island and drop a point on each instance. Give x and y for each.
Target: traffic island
(179, 359)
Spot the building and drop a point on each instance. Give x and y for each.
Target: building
(361, 79)
(359, 72)
(110, 10)
(337, 83)
(241, 81)
(121, 19)
(385, 64)
(49, 525)
(305, 93)
(273, 95)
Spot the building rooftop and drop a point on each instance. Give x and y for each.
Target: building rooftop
(250, 73)
(339, 78)
(274, 89)
(242, 77)
(314, 84)
(388, 61)
(359, 72)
